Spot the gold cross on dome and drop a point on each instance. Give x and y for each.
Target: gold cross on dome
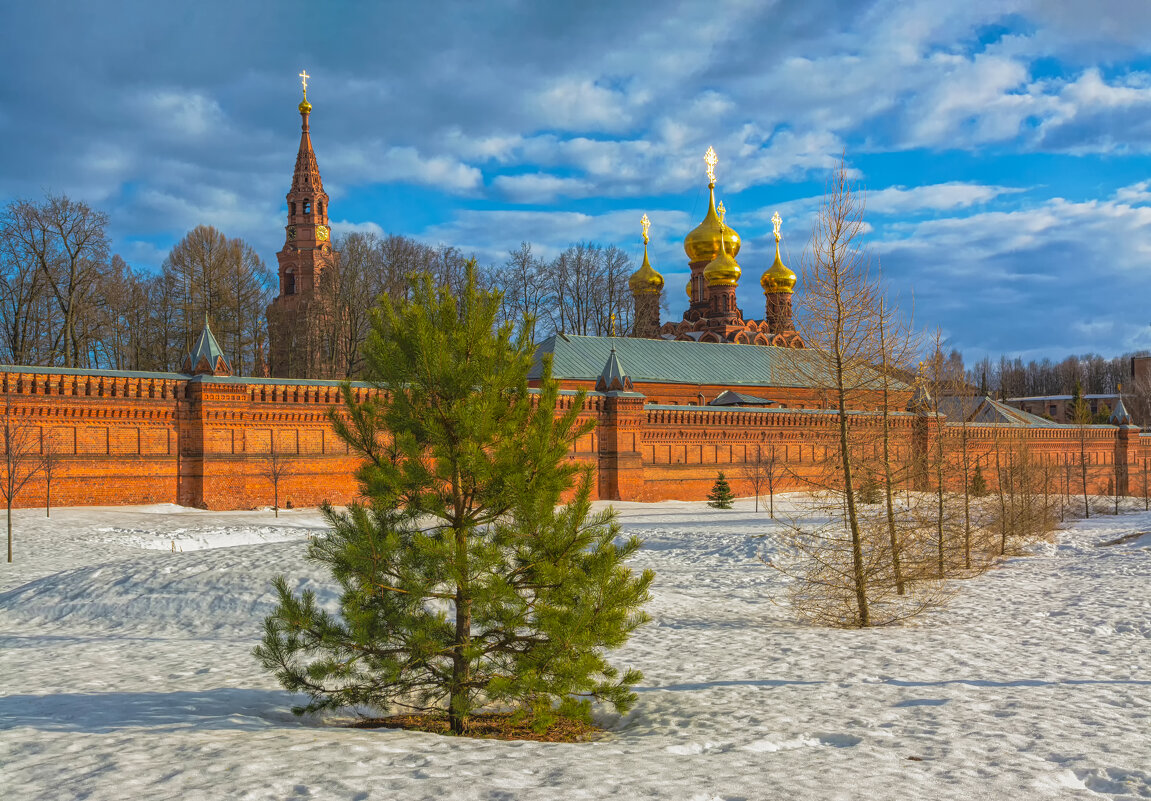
(646, 223)
(304, 77)
(613, 324)
(776, 221)
(711, 159)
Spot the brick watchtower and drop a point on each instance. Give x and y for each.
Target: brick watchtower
(296, 313)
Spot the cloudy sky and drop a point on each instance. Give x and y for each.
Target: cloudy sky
(1004, 145)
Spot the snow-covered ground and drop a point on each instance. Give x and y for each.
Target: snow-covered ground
(125, 673)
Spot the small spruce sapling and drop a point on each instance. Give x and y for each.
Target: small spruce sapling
(978, 483)
(721, 496)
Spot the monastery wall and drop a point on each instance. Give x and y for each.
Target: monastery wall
(131, 438)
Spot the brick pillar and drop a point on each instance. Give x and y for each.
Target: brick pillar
(621, 475)
(924, 433)
(190, 444)
(1125, 445)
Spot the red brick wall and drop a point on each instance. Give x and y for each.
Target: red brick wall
(122, 438)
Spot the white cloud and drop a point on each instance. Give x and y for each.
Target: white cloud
(375, 162)
(541, 187)
(345, 227)
(933, 197)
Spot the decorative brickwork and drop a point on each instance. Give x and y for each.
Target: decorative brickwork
(127, 438)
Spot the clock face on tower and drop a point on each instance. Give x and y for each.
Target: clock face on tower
(291, 232)
(321, 233)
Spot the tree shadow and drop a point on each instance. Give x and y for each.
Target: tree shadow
(219, 708)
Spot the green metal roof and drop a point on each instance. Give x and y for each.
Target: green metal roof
(668, 361)
(206, 349)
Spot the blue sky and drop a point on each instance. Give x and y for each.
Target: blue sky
(1005, 147)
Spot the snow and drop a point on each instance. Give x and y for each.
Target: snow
(126, 672)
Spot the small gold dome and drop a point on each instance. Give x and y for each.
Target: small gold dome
(688, 288)
(723, 270)
(645, 279)
(703, 243)
(305, 107)
(777, 278)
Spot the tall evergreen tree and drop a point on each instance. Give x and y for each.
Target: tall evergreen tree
(464, 583)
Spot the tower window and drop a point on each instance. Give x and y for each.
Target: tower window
(307, 207)
(320, 207)
(289, 284)
(292, 209)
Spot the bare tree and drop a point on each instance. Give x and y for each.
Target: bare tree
(208, 274)
(896, 345)
(763, 470)
(65, 241)
(20, 459)
(1081, 417)
(277, 467)
(841, 565)
(526, 293)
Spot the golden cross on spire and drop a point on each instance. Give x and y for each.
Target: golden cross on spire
(776, 221)
(304, 78)
(711, 159)
(646, 224)
(613, 324)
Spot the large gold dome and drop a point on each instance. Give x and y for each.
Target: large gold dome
(645, 279)
(777, 278)
(723, 270)
(703, 243)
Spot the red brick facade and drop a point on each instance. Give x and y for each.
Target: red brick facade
(126, 438)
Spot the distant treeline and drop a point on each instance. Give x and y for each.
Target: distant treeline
(66, 300)
(1012, 378)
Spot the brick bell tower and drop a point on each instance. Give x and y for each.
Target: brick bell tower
(294, 317)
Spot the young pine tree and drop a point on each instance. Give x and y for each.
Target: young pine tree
(721, 496)
(464, 583)
(978, 483)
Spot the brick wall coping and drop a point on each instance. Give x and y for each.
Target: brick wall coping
(30, 370)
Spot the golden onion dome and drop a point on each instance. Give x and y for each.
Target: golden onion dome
(688, 288)
(305, 107)
(723, 270)
(645, 279)
(777, 278)
(704, 242)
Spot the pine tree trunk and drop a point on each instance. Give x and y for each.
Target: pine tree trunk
(9, 528)
(458, 703)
